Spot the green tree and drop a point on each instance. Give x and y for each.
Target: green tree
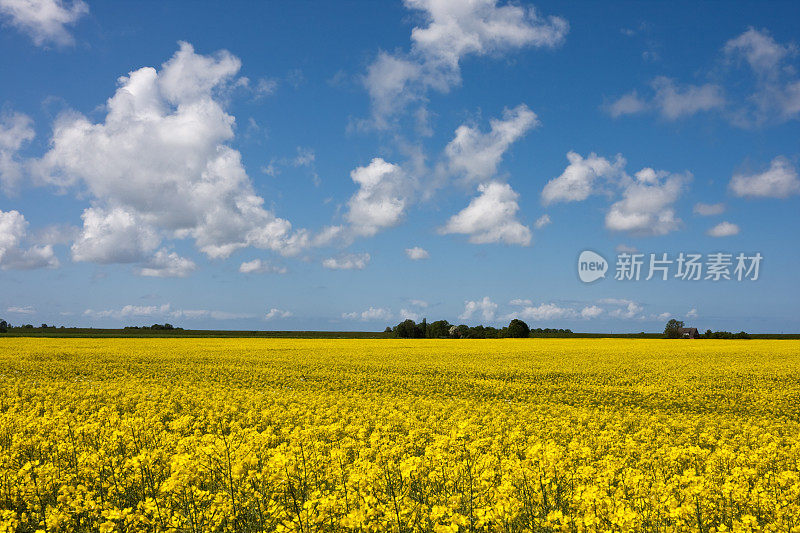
(438, 329)
(672, 329)
(518, 329)
(407, 329)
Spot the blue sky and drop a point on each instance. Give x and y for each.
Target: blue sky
(299, 165)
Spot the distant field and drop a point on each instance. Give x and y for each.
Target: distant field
(316, 435)
(192, 333)
(156, 333)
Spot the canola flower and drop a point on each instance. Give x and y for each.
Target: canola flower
(309, 436)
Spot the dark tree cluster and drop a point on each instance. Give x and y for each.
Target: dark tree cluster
(551, 332)
(166, 326)
(725, 335)
(673, 331)
(442, 329)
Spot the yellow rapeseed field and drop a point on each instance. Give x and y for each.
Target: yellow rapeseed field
(399, 435)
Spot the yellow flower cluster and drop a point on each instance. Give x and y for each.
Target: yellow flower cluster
(310, 436)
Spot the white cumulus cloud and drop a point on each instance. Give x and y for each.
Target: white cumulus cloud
(407, 314)
(44, 21)
(452, 31)
(370, 315)
(259, 266)
(707, 210)
(16, 130)
(416, 253)
(724, 229)
(545, 311)
(591, 311)
(347, 262)
(671, 100)
(647, 204)
(381, 199)
(779, 181)
(485, 308)
(491, 217)
(159, 166)
(674, 102)
(475, 155)
(578, 181)
(166, 264)
(277, 313)
(21, 310)
(13, 255)
(542, 221)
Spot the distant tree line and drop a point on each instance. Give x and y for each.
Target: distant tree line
(164, 326)
(442, 329)
(673, 331)
(5, 326)
(724, 335)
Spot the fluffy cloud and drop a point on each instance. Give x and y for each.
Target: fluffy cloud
(543, 311)
(675, 102)
(591, 311)
(779, 181)
(627, 309)
(628, 104)
(578, 180)
(192, 314)
(724, 229)
(258, 266)
(520, 301)
(13, 232)
(381, 199)
(647, 202)
(130, 311)
(490, 217)
(542, 221)
(707, 210)
(21, 310)
(485, 307)
(407, 314)
(762, 53)
(416, 253)
(16, 130)
(692, 313)
(116, 235)
(386, 190)
(166, 264)
(370, 315)
(44, 20)
(159, 166)
(347, 262)
(454, 30)
(387, 81)
(277, 313)
(670, 100)
(773, 94)
(475, 155)
(163, 311)
(646, 207)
